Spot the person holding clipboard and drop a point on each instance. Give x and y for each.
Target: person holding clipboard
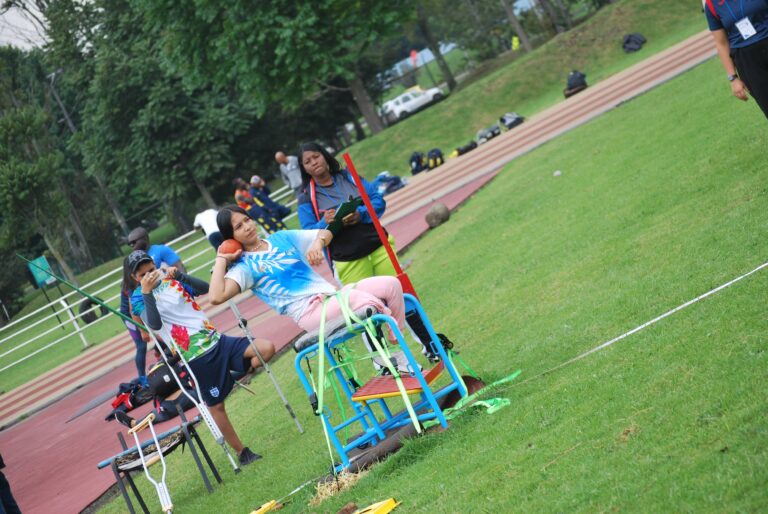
(330, 200)
(740, 31)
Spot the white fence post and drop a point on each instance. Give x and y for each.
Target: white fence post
(74, 322)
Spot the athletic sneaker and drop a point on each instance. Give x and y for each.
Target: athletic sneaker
(247, 456)
(123, 418)
(399, 360)
(432, 356)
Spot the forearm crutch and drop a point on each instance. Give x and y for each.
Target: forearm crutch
(160, 487)
(247, 331)
(205, 414)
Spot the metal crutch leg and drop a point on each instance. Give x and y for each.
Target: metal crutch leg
(160, 487)
(244, 327)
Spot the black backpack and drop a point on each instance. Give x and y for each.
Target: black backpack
(435, 158)
(461, 150)
(417, 163)
(576, 79)
(633, 42)
(162, 384)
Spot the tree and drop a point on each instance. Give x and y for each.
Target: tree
(552, 15)
(282, 51)
(423, 23)
(150, 134)
(516, 25)
(33, 191)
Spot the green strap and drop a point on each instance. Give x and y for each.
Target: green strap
(342, 410)
(349, 316)
(491, 405)
(471, 372)
(347, 361)
(321, 380)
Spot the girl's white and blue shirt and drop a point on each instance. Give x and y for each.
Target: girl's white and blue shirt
(281, 276)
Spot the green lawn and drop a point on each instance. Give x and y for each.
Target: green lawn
(533, 82)
(660, 200)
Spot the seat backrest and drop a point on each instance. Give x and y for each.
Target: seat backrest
(331, 327)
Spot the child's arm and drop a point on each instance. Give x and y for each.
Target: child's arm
(199, 286)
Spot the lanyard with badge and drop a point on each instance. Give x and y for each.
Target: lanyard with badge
(744, 25)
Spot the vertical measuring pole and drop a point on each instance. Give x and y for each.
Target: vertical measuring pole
(74, 322)
(401, 275)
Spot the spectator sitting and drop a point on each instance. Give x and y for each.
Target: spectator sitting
(259, 189)
(255, 208)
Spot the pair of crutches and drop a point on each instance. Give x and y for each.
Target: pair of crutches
(161, 487)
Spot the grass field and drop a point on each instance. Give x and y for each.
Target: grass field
(532, 82)
(660, 200)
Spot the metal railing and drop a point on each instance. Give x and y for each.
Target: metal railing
(60, 305)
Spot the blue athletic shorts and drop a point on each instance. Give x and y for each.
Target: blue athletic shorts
(212, 369)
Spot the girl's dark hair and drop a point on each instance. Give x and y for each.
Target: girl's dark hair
(333, 164)
(224, 220)
(129, 284)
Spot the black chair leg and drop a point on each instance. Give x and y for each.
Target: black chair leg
(207, 457)
(189, 430)
(192, 450)
(121, 485)
(136, 492)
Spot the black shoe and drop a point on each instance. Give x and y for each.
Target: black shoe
(247, 456)
(123, 418)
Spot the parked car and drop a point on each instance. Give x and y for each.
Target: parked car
(410, 102)
(487, 133)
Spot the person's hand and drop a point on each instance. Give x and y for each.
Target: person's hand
(171, 271)
(315, 253)
(353, 218)
(150, 281)
(329, 215)
(230, 257)
(739, 89)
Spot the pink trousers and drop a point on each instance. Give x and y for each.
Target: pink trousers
(385, 294)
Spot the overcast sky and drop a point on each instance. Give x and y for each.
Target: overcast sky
(17, 30)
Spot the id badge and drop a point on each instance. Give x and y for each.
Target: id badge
(745, 28)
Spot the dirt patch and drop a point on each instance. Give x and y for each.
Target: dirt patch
(628, 433)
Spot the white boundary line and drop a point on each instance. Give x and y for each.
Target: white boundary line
(646, 324)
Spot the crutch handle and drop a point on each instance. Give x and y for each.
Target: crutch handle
(144, 423)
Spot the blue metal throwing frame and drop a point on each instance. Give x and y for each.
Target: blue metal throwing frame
(373, 427)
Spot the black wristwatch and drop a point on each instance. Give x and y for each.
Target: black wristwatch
(733, 77)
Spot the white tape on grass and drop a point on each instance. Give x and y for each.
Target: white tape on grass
(648, 323)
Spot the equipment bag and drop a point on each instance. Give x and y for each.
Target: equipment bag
(435, 158)
(576, 79)
(417, 163)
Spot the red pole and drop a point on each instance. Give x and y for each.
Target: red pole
(401, 275)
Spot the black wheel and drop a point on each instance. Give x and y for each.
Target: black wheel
(437, 97)
(403, 115)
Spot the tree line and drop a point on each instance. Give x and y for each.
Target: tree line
(138, 109)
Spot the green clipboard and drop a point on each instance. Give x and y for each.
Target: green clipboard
(345, 209)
